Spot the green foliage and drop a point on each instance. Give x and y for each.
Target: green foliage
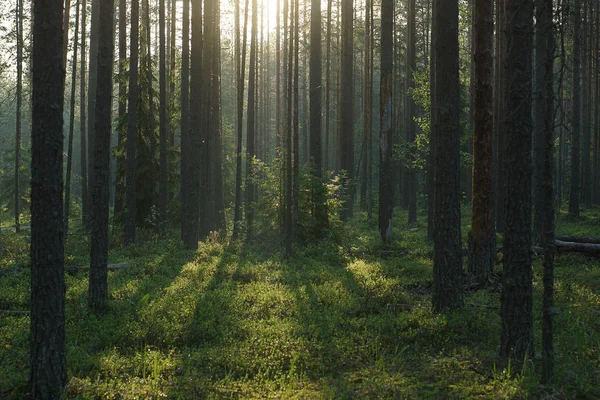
(233, 321)
(7, 180)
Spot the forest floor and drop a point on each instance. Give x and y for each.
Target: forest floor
(241, 321)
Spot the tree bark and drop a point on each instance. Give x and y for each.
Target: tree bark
(71, 125)
(251, 124)
(122, 127)
(83, 116)
(162, 112)
(18, 124)
(98, 285)
(411, 128)
(481, 243)
(386, 122)
(185, 121)
(346, 122)
(516, 340)
(48, 364)
(575, 113)
(130, 214)
(447, 262)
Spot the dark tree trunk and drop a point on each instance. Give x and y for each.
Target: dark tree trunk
(432, 123)
(71, 125)
(18, 123)
(447, 262)
(48, 363)
(216, 172)
(151, 124)
(576, 113)
(98, 285)
(596, 140)
(289, 50)
(516, 340)
(207, 217)
(185, 120)
(250, 130)
(122, 127)
(93, 84)
(241, 71)
(545, 203)
(83, 115)
(411, 128)
(386, 122)
(316, 151)
(346, 122)
(499, 118)
(162, 112)
(296, 138)
(586, 185)
(191, 212)
(326, 151)
(481, 243)
(131, 200)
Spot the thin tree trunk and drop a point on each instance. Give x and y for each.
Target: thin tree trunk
(411, 127)
(346, 121)
(82, 116)
(98, 285)
(326, 151)
(122, 127)
(185, 122)
(71, 125)
(19, 24)
(92, 86)
(575, 114)
(250, 130)
(241, 70)
(386, 122)
(131, 200)
(162, 112)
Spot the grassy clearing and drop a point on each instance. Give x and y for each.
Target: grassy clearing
(229, 321)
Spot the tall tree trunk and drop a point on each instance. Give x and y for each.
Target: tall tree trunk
(289, 50)
(93, 84)
(346, 122)
(251, 124)
(386, 122)
(296, 122)
(326, 151)
(411, 127)
(596, 143)
(500, 117)
(19, 25)
(575, 114)
(316, 151)
(216, 172)
(48, 364)
(241, 70)
(585, 106)
(447, 263)
(120, 173)
(151, 116)
(162, 112)
(432, 123)
(71, 125)
(207, 220)
(190, 228)
(132, 122)
(98, 285)
(516, 340)
(66, 26)
(481, 243)
(544, 204)
(185, 121)
(83, 115)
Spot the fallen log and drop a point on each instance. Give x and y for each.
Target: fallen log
(78, 268)
(574, 247)
(578, 239)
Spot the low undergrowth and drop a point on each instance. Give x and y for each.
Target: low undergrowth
(231, 321)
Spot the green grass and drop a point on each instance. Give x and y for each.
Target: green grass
(230, 321)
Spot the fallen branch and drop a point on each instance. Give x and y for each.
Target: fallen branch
(573, 247)
(579, 239)
(78, 268)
